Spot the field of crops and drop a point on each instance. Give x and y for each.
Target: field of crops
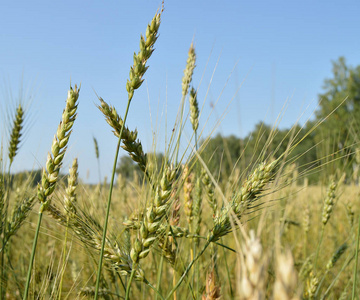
(177, 231)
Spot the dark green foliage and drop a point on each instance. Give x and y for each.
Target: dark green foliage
(341, 121)
(339, 111)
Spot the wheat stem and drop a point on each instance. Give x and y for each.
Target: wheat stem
(108, 205)
(188, 268)
(128, 288)
(32, 256)
(356, 262)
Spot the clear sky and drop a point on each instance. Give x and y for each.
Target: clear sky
(276, 51)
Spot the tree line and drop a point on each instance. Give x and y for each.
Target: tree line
(328, 141)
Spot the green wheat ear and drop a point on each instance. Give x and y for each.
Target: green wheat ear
(16, 133)
(59, 145)
(189, 70)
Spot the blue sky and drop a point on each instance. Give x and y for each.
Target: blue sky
(276, 51)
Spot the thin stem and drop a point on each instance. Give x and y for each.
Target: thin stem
(159, 275)
(155, 290)
(356, 262)
(180, 129)
(99, 172)
(127, 295)
(15, 276)
(228, 273)
(2, 264)
(32, 257)
(318, 248)
(121, 281)
(4, 235)
(187, 270)
(64, 258)
(337, 277)
(108, 203)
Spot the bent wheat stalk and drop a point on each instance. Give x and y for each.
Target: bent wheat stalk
(53, 165)
(135, 80)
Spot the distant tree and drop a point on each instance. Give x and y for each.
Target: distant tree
(339, 107)
(128, 168)
(339, 111)
(221, 153)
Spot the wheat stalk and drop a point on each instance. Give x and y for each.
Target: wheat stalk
(53, 165)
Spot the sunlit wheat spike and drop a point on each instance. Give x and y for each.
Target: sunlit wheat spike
(19, 214)
(16, 133)
(2, 205)
(212, 290)
(70, 197)
(311, 285)
(96, 145)
(154, 215)
(329, 202)
(197, 207)
(189, 70)
(139, 67)
(88, 231)
(188, 198)
(210, 191)
(90, 291)
(253, 269)
(350, 213)
(54, 161)
(306, 268)
(286, 278)
(166, 242)
(306, 219)
(252, 187)
(129, 138)
(194, 109)
(339, 252)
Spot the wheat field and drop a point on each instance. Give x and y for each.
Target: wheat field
(176, 231)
